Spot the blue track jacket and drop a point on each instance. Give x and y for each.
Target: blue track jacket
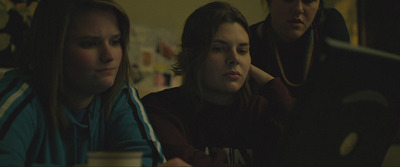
(26, 139)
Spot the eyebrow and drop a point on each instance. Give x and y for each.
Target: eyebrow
(226, 43)
(96, 37)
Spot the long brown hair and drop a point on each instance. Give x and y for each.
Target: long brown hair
(43, 56)
(199, 30)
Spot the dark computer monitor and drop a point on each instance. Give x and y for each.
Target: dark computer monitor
(348, 110)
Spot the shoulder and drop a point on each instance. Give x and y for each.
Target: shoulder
(17, 98)
(166, 95)
(14, 92)
(127, 97)
(169, 99)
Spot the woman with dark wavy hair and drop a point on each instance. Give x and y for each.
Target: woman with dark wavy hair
(213, 119)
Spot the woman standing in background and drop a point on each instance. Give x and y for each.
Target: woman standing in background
(289, 39)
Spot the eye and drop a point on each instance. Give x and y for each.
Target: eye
(115, 42)
(243, 51)
(88, 43)
(218, 49)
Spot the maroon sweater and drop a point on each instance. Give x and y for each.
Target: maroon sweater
(206, 134)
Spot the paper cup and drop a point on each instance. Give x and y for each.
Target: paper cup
(114, 158)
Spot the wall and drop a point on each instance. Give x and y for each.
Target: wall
(171, 14)
(380, 28)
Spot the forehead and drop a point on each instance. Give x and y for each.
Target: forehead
(90, 12)
(231, 31)
(92, 18)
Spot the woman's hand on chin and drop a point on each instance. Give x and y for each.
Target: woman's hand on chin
(260, 76)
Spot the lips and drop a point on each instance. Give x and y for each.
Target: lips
(296, 20)
(233, 75)
(106, 70)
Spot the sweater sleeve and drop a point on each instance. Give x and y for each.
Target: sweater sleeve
(130, 129)
(174, 136)
(281, 102)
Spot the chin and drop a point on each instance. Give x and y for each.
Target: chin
(104, 86)
(297, 34)
(232, 88)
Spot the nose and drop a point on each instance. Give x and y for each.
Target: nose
(232, 59)
(106, 54)
(298, 8)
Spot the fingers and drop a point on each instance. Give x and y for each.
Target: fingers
(260, 76)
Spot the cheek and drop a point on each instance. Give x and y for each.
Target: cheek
(278, 21)
(279, 11)
(209, 71)
(213, 62)
(311, 12)
(80, 61)
(118, 57)
(206, 70)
